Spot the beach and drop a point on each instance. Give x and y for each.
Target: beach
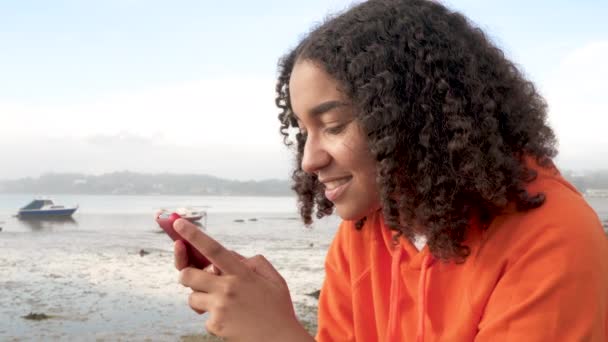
(108, 273)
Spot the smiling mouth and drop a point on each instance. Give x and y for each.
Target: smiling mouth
(335, 188)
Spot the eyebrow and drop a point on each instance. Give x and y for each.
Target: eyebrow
(324, 107)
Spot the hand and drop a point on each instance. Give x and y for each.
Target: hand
(249, 300)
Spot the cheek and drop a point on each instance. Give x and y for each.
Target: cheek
(365, 163)
(354, 154)
(370, 185)
(365, 171)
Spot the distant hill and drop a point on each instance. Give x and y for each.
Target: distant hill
(131, 183)
(589, 180)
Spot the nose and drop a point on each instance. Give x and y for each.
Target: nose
(315, 155)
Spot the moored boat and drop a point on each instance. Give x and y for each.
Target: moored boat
(45, 208)
(191, 214)
(188, 213)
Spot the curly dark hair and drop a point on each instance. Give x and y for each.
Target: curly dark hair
(449, 119)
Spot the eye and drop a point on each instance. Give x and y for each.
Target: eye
(336, 129)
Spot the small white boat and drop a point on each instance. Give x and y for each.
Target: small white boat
(187, 213)
(45, 208)
(191, 214)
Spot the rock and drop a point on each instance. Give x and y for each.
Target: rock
(34, 316)
(314, 294)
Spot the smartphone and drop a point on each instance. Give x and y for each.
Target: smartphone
(195, 258)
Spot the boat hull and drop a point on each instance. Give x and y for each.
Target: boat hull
(193, 218)
(24, 213)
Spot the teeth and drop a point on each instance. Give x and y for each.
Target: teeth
(336, 183)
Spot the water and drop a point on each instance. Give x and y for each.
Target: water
(112, 204)
(89, 275)
(600, 205)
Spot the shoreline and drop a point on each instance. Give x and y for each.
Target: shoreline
(93, 281)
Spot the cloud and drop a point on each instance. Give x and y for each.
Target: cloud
(187, 113)
(228, 127)
(120, 139)
(578, 106)
(96, 155)
(224, 127)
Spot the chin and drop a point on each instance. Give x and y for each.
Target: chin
(352, 214)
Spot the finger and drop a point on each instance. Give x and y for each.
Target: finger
(180, 255)
(260, 265)
(214, 327)
(198, 280)
(212, 269)
(199, 301)
(213, 250)
(215, 270)
(240, 257)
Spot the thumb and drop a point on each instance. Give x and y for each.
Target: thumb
(180, 255)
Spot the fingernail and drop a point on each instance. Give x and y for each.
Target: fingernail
(179, 225)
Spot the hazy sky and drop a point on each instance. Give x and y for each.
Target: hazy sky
(188, 86)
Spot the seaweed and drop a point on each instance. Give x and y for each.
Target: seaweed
(35, 316)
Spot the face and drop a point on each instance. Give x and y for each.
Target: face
(336, 148)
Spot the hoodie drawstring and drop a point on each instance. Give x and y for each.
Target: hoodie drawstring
(395, 294)
(422, 287)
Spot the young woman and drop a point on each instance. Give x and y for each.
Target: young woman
(435, 151)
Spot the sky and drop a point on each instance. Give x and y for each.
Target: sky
(188, 86)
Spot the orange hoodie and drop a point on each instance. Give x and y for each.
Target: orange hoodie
(540, 275)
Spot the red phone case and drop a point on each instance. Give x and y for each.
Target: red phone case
(195, 257)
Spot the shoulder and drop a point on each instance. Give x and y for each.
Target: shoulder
(544, 269)
(564, 226)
